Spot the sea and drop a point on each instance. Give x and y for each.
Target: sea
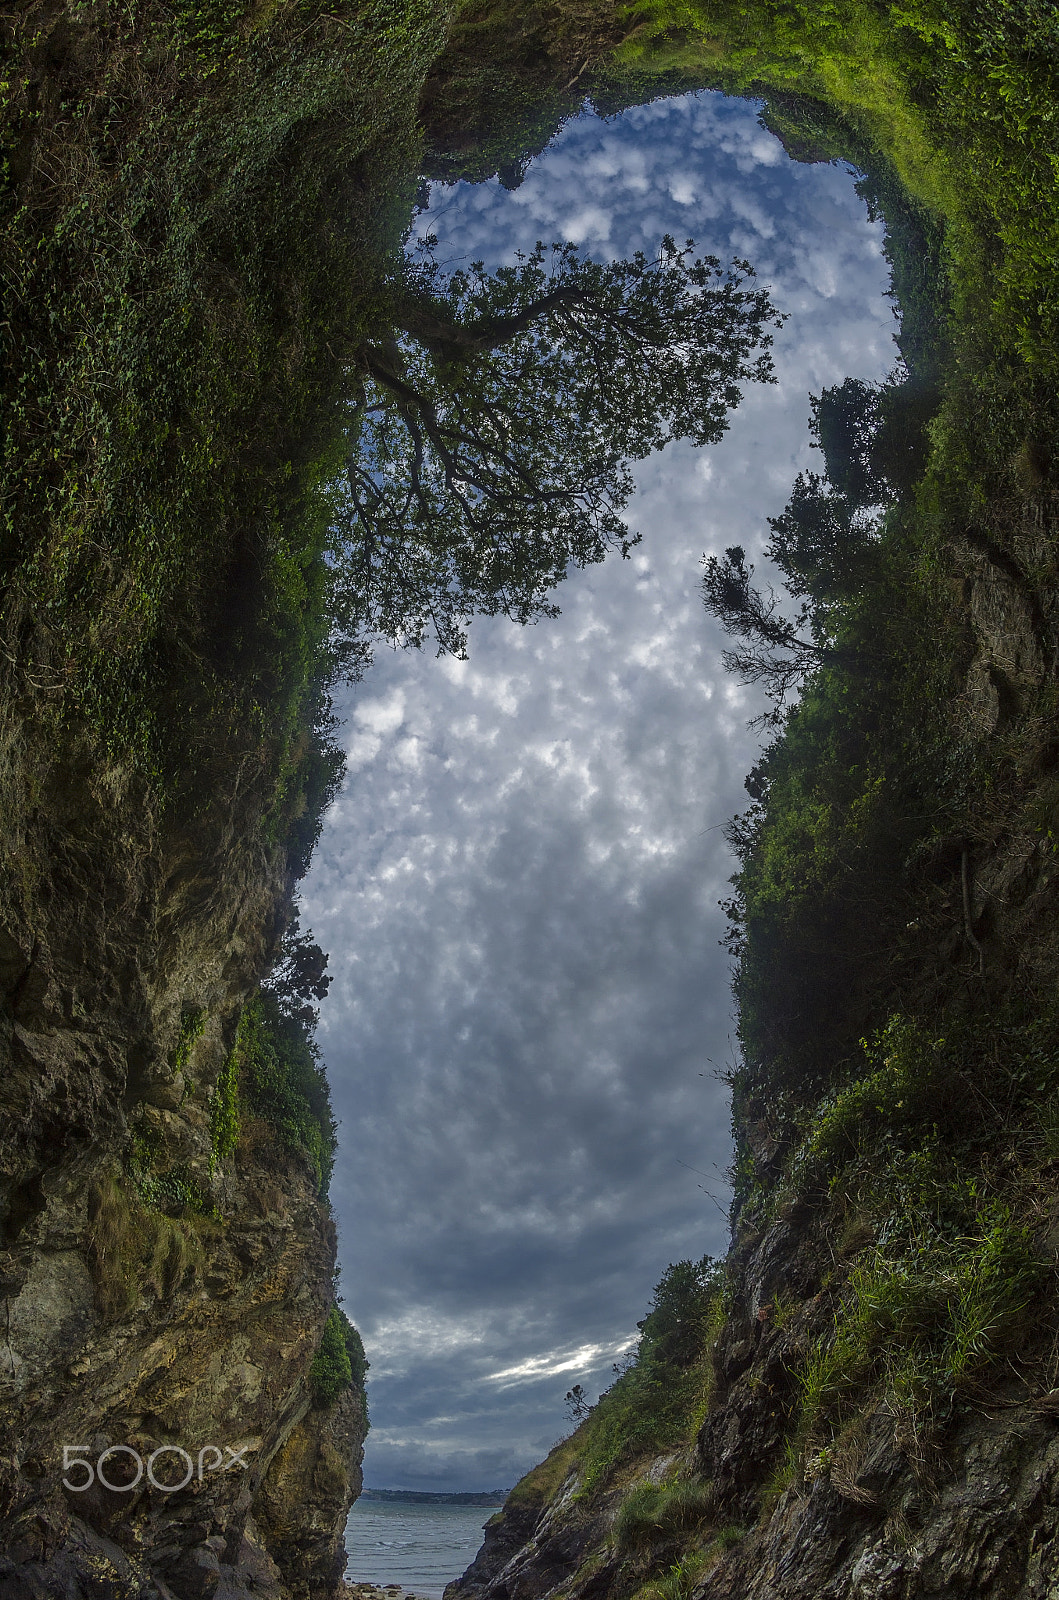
(421, 1547)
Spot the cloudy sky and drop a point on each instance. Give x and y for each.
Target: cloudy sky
(519, 882)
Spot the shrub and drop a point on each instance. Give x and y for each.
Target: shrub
(339, 1363)
(284, 1082)
(663, 1394)
(358, 1361)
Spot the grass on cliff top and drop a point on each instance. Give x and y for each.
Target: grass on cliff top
(656, 1400)
(543, 1482)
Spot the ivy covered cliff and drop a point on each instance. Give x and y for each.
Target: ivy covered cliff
(195, 202)
(202, 210)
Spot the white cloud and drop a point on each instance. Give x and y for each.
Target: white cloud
(585, 1359)
(683, 189)
(590, 222)
(519, 883)
(381, 716)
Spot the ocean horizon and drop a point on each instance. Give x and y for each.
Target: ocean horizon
(421, 1546)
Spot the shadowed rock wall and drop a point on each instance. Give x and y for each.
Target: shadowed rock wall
(128, 946)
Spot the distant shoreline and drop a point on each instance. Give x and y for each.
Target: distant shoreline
(415, 1497)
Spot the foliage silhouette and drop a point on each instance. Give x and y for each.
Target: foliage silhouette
(493, 426)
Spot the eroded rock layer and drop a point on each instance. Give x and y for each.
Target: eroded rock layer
(157, 1292)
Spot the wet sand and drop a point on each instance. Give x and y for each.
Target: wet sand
(388, 1591)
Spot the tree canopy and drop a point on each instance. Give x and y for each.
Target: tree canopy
(299, 976)
(495, 417)
(845, 426)
(825, 544)
(822, 544)
(775, 653)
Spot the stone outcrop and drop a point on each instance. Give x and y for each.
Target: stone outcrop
(974, 1515)
(130, 1322)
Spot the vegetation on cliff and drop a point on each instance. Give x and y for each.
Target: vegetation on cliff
(893, 909)
(196, 209)
(196, 213)
(339, 1363)
(201, 214)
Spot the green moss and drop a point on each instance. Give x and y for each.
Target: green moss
(339, 1363)
(224, 1103)
(161, 1185)
(283, 1081)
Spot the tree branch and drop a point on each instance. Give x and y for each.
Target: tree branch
(454, 339)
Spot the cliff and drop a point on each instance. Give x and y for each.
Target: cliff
(968, 1506)
(199, 208)
(860, 1402)
(168, 1254)
(159, 1290)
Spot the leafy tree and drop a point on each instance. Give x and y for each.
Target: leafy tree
(902, 444)
(673, 1331)
(845, 424)
(299, 976)
(495, 420)
(777, 652)
(825, 543)
(578, 1404)
(821, 544)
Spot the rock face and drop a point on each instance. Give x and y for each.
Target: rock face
(975, 1515)
(964, 1506)
(133, 1324)
(306, 1494)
